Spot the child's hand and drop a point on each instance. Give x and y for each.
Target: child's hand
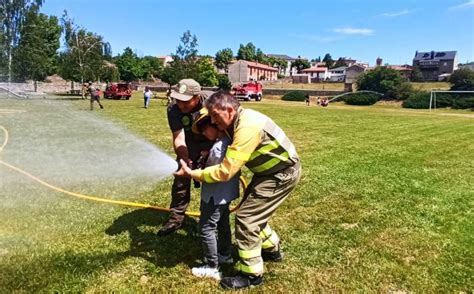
(184, 171)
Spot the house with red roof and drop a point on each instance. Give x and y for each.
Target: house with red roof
(244, 71)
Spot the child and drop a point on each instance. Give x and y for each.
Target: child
(147, 96)
(306, 99)
(215, 200)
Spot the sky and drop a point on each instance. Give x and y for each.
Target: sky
(363, 30)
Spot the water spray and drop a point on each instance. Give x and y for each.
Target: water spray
(89, 197)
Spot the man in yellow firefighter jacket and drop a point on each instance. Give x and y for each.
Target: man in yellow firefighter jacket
(263, 147)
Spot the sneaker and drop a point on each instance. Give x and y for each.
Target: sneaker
(206, 271)
(225, 259)
(276, 256)
(241, 281)
(169, 228)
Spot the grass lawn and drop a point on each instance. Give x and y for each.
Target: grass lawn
(385, 203)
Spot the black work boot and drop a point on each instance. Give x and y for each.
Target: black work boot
(169, 228)
(276, 256)
(241, 281)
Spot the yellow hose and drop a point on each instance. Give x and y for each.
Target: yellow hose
(92, 198)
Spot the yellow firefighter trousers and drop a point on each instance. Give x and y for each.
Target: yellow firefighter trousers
(263, 195)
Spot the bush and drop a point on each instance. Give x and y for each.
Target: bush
(418, 100)
(361, 98)
(462, 80)
(223, 82)
(294, 96)
(463, 103)
(281, 76)
(386, 81)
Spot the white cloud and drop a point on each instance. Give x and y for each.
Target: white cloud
(354, 31)
(469, 3)
(398, 13)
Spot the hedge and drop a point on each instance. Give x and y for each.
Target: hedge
(361, 98)
(294, 96)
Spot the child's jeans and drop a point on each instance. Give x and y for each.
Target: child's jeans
(213, 226)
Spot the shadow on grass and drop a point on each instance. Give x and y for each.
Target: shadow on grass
(168, 251)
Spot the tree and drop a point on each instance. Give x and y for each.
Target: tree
(184, 61)
(300, 64)
(224, 58)
(261, 57)
(386, 81)
(416, 75)
(247, 52)
(279, 63)
(35, 56)
(340, 62)
(224, 83)
(328, 60)
(129, 65)
(206, 74)
(462, 80)
(152, 67)
(12, 16)
(83, 57)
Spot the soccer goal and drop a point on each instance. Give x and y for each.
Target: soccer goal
(433, 96)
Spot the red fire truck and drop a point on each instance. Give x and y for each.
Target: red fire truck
(248, 91)
(117, 91)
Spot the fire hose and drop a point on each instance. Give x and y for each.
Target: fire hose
(93, 198)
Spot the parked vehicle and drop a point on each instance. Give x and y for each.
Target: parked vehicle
(118, 91)
(248, 91)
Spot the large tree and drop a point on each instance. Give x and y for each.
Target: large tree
(184, 60)
(247, 52)
(36, 54)
(328, 60)
(462, 80)
(386, 81)
(85, 52)
(12, 16)
(206, 72)
(224, 58)
(300, 64)
(152, 67)
(129, 65)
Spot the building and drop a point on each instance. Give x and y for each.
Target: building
(165, 59)
(337, 74)
(404, 70)
(347, 61)
(244, 71)
(317, 74)
(288, 71)
(435, 63)
(469, 66)
(353, 72)
(301, 78)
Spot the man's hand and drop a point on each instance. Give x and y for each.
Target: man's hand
(184, 171)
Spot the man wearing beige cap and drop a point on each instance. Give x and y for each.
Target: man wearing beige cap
(187, 146)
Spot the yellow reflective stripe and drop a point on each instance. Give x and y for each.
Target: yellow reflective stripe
(255, 269)
(271, 163)
(272, 145)
(244, 156)
(271, 242)
(207, 177)
(266, 232)
(246, 254)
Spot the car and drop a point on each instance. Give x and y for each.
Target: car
(118, 91)
(248, 91)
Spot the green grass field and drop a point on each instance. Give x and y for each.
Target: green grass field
(385, 203)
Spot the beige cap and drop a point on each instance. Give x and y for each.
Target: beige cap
(186, 89)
